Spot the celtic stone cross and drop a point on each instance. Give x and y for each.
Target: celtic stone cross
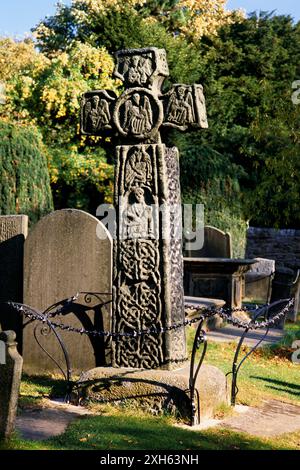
(148, 264)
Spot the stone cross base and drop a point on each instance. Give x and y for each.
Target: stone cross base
(155, 390)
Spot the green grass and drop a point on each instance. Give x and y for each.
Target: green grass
(34, 389)
(292, 333)
(269, 373)
(260, 377)
(127, 432)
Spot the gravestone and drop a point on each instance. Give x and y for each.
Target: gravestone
(68, 251)
(10, 379)
(217, 244)
(258, 280)
(13, 232)
(148, 264)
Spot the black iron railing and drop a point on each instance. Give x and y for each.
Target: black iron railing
(264, 317)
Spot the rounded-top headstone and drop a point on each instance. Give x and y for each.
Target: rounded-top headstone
(68, 251)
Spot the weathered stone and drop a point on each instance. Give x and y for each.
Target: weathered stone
(68, 251)
(220, 278)
(205, 303)
(155, 298)
(258, 280)
(13, 232)
(216, 244)
(10, 378)
(148, 267)
(282, 286)
(281, 245)
(155, 390)
(216, 284)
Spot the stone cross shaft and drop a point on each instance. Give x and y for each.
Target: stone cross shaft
(148, 264)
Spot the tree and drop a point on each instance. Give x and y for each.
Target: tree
(247, 67)
(46, 91)
(189, 18)
(115, 25)
(248, 70)
(25, 185)
(276, 166)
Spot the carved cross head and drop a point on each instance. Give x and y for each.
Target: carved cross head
(142, 110)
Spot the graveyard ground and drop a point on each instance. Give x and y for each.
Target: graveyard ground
(269, 374)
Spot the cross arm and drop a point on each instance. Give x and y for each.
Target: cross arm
(97, 109)
(184, 107)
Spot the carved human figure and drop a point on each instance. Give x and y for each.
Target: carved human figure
(137, 69)
(138, 169)
(145, 66)
(97, 113)
(138, 117)
(138, 216)
(180, 109)
(132, 69)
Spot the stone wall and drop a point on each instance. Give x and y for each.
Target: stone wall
(281, 245)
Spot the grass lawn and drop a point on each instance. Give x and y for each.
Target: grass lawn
(127, 430)
(269, 373)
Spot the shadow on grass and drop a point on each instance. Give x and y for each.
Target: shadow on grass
(138, 433)
(36, 387)
(280, 385)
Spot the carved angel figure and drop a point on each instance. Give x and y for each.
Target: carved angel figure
(96, 114)
(137, 69)
(138, 117)
(138, 169)
(180, 109)
(145, 66)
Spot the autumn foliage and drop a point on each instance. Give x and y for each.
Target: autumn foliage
(245, 166)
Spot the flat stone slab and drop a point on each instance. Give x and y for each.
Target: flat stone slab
(272, 419)
(203, 302)
(39, 424)
(229, 334)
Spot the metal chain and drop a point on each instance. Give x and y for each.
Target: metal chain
(28, 313)
(224, 313)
